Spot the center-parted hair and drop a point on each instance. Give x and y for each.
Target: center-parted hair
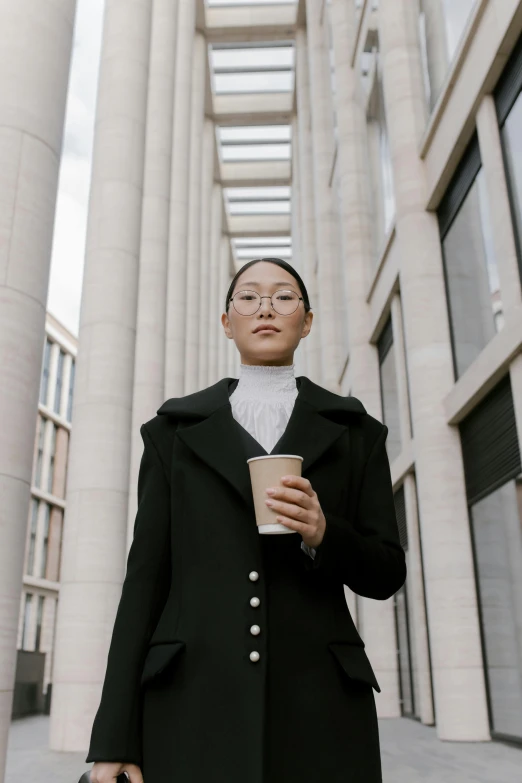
(279, 262)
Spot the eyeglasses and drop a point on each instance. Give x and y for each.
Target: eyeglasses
(249, 302)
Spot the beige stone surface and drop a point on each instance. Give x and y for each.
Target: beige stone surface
(97, 486)
(460, 698)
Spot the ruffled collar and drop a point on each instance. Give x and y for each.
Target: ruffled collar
(259, 381)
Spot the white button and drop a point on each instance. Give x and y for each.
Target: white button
(254, 601)
(254, 630)
(254, 656)
(253, 576)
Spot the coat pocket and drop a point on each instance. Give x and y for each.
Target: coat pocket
(355, 662)
(158, 658)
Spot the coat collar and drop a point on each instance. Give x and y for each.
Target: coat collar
(209, 429)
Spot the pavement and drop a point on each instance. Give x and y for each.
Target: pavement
(411, 753)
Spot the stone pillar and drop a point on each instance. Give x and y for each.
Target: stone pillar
(356, 216)
(95, 525)
(192, 260)
(36, 55)
(149, 366)
(327, 241)
(308, 245)
(414, 581)
(215, 296)
(456, 656)
(179, 194)
(419, 637)
(356, 227)
(207, 181)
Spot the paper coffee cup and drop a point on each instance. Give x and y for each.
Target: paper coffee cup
(266, 472)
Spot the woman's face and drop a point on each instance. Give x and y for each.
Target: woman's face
(270, 347)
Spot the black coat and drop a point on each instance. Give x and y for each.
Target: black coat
(181, 696)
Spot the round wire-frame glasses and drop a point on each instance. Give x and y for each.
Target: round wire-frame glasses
(282, 290)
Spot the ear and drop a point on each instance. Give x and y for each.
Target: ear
(226, 325)
(307, 324)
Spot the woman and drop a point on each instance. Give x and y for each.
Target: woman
(234, 657)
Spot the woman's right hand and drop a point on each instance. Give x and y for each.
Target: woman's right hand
(107, 772)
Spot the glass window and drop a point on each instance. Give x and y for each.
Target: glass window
(441, 26)
(472, 277)
(45, 540)
(50, 475)
(44, 381)
(71, 390)
(39, 452)
(386, 165)
(27, 619)
(512, 141)
(389, 392)
(497, 537)
(39, 618)
(380, 161)
(32, 536)
(59, 382)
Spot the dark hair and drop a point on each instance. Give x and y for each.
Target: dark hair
(280, 262)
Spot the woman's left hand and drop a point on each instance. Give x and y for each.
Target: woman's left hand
(298, 507)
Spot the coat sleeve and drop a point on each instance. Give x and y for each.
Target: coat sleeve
(116, 731)
(365, 554)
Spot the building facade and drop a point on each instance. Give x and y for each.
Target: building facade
(37, 620)
(377, 146)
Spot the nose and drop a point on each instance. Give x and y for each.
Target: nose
(266, 305)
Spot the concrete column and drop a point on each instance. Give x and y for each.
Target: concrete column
(95, 526)
(357, 224)
(313, 343)
(356, 215)
(414, 583)
(149, 366)
(457, 665)
(327, 240)
(207, 181)
(179, 194)
(418, 625)
(193, 298)
(36, 54)
(215, 296)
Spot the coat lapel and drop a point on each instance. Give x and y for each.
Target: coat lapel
(206, 425)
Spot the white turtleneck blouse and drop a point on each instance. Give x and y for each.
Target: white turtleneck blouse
(262, 403)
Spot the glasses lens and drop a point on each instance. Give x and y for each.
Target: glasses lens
(284, 302)
(247, 302)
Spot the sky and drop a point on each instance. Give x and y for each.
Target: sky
(65, 283)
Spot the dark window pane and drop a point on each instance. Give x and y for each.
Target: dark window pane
(472, 278)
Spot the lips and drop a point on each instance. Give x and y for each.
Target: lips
(265, 329)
